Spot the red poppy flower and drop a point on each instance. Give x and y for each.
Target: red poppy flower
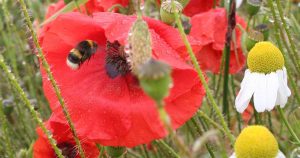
(65, 141)
(91, 6)
(197, 6)
(108, 106)
(210, 28)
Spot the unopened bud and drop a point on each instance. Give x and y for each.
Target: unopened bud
(115, 152)
(8, 106)
(252, 38)
(253, 6)
(155, 79)
(139, 49)
(168, 9)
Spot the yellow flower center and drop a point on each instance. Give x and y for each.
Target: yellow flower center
(256, 142)
(265, 57)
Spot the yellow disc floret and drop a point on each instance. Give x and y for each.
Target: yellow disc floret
(256, 142)
(265, 57)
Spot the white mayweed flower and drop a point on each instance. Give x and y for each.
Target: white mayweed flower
(256, 142)
(266, 79)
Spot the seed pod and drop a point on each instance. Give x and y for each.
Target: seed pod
(138, 50)
(115, 152)
(167, 11)
(253, 6)
(252, 38)
(264, 29)
(155, 79)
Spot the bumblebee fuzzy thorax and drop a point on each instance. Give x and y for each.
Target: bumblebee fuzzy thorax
(82, 52)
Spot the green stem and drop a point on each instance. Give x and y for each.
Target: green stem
(257, 117)
(270, 121)
(226, 111)
(202, 78)
(197, 126)
(5, 132)
(14, 83)
(288, 66)
(280, 30)
(50, 76)
(287, 30)
(101, 150)
(166, 148)
(144, 148)
(212, 122)
(167, 124)
(230, 27)
(238, 115)
(77, 5)
(288, 125)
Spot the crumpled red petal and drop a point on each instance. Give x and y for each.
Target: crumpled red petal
(210, 28)
(199, 6)
(114, 112)
(62, 134)
(115, 29)
(91, 6)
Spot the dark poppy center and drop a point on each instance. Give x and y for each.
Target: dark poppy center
(115, 61)
(68, 150)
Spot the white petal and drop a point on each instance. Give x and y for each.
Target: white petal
(287, 89)
(272, 89)
(280, 155)
(247, 89)
(260, 100)
(232, 156)
(238, 3)
(283, 90)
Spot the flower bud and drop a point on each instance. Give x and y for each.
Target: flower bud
(115, 152)
(168, 10)
(264, 29)
(8, 109)
(253, 6)
(22, 153)
(249, 143)
(155, 79)
(265, 58)
(8, 106)
(252, 38)
(139, 49)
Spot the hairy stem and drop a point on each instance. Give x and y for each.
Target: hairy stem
(14, 83)
(5, 132)
(202, 79)
(51, 78)
(287, 124)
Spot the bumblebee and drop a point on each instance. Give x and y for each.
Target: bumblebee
(82, 52)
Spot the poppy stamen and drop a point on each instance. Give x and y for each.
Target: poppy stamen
(68, 150)
(116, 63)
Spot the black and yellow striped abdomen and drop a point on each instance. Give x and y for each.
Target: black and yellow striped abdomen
(82, 52)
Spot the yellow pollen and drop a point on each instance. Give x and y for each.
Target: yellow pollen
(265, 57)
(256, 142)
